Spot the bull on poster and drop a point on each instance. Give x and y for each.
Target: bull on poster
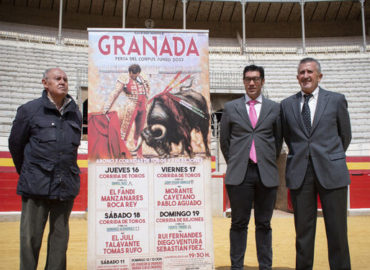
(149, 157)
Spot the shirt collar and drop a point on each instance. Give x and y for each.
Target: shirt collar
(315, 93)
(66, 100)
(258, 99)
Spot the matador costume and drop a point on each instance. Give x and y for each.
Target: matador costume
(137, 92)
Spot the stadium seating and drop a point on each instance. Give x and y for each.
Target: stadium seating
(24, 56)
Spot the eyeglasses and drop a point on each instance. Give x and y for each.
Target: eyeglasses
(255, 79)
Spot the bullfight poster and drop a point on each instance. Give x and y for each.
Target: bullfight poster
(149, 157)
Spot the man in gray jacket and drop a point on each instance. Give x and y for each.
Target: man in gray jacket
(251, 143)
(317, 130)
(43, 143)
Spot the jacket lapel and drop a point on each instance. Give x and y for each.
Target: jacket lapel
(296, 107)
(265, 110)
(241, 109)
(320, 107)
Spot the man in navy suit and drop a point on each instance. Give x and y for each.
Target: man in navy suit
(251, 142)
(317, 131)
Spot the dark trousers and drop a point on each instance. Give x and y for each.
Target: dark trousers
(35, 213)
(334, 207)
(242, 197)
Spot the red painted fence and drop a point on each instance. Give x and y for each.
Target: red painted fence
(9, 201)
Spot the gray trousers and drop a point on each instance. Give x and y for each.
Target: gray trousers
(35, 213)
(334, 208)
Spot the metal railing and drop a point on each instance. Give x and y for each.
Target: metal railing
(216, 50)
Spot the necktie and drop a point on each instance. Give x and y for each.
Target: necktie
(253, 118)
(306, 114)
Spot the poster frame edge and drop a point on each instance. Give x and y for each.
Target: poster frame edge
(147, 30)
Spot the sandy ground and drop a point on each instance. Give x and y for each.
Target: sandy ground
(283, 244)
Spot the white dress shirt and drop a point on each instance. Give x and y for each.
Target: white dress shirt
(311, 103)
(257, 106)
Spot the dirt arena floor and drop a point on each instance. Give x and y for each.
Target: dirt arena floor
(283, 244)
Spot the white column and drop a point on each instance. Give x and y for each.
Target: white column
(60, 22)
(124, 14)
(363, 24)
(303, 28)
(184, 13)
(243, 22)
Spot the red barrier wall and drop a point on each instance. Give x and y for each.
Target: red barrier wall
(360, 182)
(10, 201)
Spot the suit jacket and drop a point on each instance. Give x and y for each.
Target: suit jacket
(236, 139)
(326, 144)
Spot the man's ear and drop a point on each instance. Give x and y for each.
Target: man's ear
(44, 83)
(320, 76)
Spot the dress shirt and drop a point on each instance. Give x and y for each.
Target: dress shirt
(66, 100)
(257, 106)
(311, 103)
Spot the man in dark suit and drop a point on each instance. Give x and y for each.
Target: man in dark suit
(251, 142)
(317, 130)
